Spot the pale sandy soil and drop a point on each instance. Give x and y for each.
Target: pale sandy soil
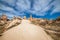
(26, 31)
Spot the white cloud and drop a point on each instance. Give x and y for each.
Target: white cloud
(39, 6)
(22, 5)
(10, 2)
(57, 6)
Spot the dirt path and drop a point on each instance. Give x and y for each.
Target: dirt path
(26, 31)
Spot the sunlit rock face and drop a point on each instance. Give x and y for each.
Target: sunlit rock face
(38, 8)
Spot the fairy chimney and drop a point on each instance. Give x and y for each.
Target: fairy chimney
(24, 17)
(4, 17)
(30, 17)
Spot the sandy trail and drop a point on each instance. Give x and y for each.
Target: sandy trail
(26, 31)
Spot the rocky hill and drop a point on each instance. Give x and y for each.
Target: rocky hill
(52, 27)
(6, 23)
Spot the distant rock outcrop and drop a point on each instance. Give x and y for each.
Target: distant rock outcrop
(6, 23)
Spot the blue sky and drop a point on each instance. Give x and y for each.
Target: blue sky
(49, 9)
